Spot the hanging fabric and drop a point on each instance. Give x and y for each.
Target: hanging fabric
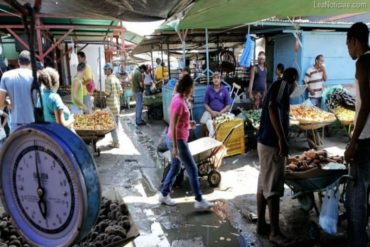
(247, 55)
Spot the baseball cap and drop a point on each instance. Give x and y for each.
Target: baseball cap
(108, 66)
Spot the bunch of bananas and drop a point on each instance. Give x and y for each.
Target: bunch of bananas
(344, 115)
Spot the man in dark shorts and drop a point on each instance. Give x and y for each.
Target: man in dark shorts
(272, 152)
(357, 152)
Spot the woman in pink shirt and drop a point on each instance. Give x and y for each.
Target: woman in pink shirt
(177, 142)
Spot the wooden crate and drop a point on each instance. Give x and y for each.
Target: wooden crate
(235, 144)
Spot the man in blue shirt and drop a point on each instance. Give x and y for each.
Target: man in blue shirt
(216, 102)
(17, 85)
(272, 152)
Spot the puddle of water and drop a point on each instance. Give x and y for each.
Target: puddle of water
(205, 226)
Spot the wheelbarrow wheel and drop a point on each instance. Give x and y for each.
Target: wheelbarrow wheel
(203, 169)
(306, 202)
(214, 178)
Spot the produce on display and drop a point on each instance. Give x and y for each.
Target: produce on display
(114, 226)
(344, 115)
(308, 114)
(224, 118)
(99, 120)
(312, 159)
(254, 117)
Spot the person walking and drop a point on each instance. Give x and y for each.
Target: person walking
(177, 138)
(258, 81)
(357, 151)
(272, 150)
(113, 92)
(138, 88)
(17, 85)
(314, 80)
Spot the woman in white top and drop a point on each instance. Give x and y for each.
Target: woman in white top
(148, 81)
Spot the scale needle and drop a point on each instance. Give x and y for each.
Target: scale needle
(40, 189)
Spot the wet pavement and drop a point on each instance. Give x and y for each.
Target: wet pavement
(134, 171)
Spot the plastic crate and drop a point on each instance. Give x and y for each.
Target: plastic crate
(235, 144)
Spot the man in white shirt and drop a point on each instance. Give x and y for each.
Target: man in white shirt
(17, 84)
(314, 79)
(357, 152)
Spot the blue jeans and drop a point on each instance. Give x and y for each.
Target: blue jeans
(147, 90)
(316, 102)
(114, 132)
(138, 107)
(356, 196)
(88, 103)
(191, 168)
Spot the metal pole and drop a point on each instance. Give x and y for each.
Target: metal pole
(168, 60)
(207, 56)
(100, 84)
(151, 56)
(183, 52)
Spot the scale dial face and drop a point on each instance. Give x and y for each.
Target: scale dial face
(40, 179)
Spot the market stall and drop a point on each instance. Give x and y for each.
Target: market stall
(93, 127)
(310, 119)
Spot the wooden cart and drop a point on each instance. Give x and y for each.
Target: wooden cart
(91, 137)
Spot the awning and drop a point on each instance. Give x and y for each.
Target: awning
(227, 13)
(128, 10)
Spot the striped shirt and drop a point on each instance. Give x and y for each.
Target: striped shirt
(314, 80)
(114, 90)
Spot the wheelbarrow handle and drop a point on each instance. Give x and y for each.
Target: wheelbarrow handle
(230, 132)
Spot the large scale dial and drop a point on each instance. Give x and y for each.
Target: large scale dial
(49, 184)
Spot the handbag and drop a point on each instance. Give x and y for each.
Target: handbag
(329, 211)
(2, 133)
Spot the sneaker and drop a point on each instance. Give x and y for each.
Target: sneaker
(166, 200)
(141, 123)
(203, 204)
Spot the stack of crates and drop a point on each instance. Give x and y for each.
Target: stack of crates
(235, 144)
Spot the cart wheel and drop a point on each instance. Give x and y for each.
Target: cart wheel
(214, 178)
(313, 231)
(203, 169)
(306, 202)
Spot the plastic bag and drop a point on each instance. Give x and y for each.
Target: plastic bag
(2, 133)
(329, 211)
(162, 146)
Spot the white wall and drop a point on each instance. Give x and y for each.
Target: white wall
(92, 58)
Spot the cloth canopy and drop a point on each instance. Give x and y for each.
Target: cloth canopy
(227, 13)
(127, 10)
